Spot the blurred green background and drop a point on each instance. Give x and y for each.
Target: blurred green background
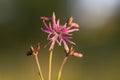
(98, 39)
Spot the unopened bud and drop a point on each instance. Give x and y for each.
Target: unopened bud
(79, 55)
(69, 21)
(74, 25)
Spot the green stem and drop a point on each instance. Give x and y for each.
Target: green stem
(39, 68)
(50, 65)
(61, 68)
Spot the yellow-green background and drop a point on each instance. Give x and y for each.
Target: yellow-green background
(20, 27)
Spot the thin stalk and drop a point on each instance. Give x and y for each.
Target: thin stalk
(39, 68)
(50, 65)
(61, 68)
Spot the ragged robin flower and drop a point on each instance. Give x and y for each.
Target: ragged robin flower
(58, 33)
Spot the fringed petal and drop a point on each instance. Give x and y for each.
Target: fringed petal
(54, 18)
(45, 24)
(66, 46)
(72, 30)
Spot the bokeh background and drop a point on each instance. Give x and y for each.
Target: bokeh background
(98, 39)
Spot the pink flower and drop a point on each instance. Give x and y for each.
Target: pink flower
(58, 33)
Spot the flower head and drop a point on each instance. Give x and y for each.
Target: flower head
(58, 33)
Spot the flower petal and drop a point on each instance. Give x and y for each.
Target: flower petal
(71, 42)
(72, 30)
(67, 40)
(66, 46)
(53, 18)
(53, 40)
(45, 24)
(52, 45)
(47, 31)
(58, 22)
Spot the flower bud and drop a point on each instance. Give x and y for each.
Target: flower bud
(38, 47)
(74, 25)
(69, 21)
(78, 55)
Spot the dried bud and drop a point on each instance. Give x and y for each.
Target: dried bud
(71, 51)
(69, 21)
(29, 53)
(34, 51)
(38, 47)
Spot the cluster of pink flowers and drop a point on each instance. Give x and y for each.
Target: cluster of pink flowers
(60, 34)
